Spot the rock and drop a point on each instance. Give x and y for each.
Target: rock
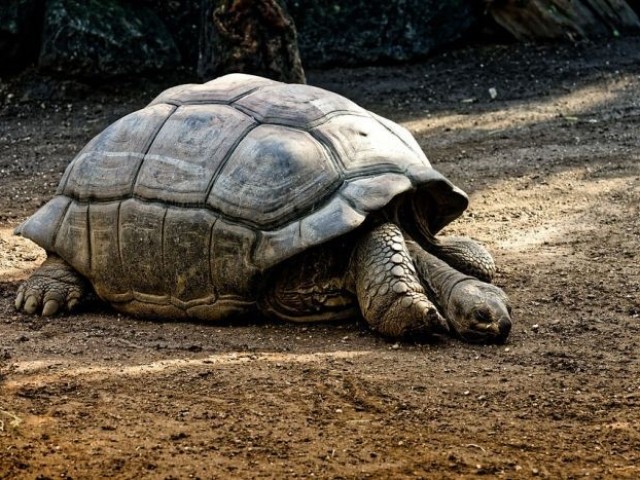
(104, 38)
(557, 19)
(364, 32)
(182, 19)
(20, 23)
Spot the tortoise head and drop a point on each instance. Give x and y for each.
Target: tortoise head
(479, 312)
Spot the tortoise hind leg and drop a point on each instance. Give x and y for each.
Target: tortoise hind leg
(53, 286)
(389, 292)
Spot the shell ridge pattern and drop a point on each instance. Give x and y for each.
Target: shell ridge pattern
(65, 177)
(176, 102)
(60, 222)
(149, 144)
(351, 202)
(224, 161)
(209, 259)
(386, 127)
(119, 242)
(274, 120)
(375, 170)
(331, 154)
(163, 243)
(89, 246)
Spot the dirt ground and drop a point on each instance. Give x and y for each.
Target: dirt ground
(552, 165)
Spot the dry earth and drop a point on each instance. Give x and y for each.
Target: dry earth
(552, 168)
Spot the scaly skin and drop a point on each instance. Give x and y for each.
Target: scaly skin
(466, 256)
(389, 292)
(53, 286)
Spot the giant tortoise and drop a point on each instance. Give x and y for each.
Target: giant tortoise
(248, 195)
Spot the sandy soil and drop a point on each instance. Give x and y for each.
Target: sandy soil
(552, 168)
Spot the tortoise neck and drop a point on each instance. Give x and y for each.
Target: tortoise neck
(438, 276)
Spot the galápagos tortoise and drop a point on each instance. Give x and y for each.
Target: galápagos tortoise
(244, 194)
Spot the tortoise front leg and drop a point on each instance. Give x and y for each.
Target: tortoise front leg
(465, 255)
(391, 297)
(53, 286)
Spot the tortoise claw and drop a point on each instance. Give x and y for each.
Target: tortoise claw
(19, 299)
(54, 286)
(437, 323)
(50, 308)
(31, 305)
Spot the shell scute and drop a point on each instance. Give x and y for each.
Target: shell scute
(107, 167)
(188, 151)
(223, 89)
(274, 173)
(363, 144)
(298, 106)
(140, 239)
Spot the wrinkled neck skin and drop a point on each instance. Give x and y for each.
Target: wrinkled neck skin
(463, 254)
(438, 276)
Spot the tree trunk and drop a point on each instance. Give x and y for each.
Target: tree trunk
(249, 36)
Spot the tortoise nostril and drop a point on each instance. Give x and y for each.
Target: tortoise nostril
(483, 316)
(504, 325)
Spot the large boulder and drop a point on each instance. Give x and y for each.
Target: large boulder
(365, 32)
(104, 38)
(182, 18)
(20, 24)
(565, 19)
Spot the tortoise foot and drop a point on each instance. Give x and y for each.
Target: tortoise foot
(391, 297)
(54, 287)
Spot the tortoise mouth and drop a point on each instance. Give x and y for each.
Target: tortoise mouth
(486, 333)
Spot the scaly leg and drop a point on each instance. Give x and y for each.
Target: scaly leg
(466, 256)
(389, 292)
(53, 286)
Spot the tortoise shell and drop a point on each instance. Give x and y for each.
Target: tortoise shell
(186, 201)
